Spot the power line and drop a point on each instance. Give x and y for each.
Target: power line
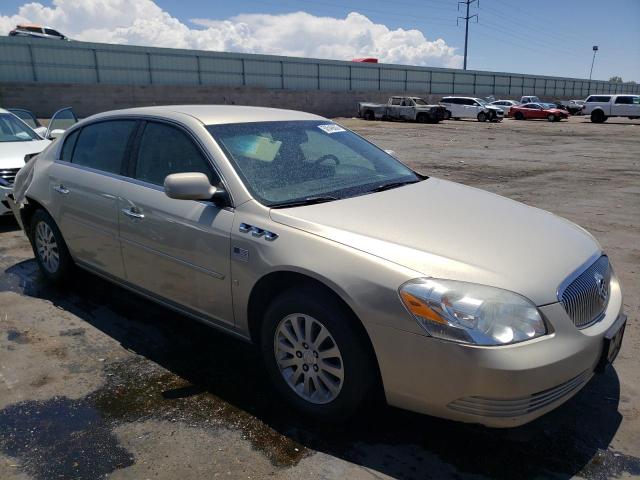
(466, 26)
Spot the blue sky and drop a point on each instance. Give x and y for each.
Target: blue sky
(552, 37)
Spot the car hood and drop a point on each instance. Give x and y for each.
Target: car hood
(12, 153)
(446, 230)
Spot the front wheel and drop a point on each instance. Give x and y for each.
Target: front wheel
(316, 357)
(482, 117)
(49, 247)
(598, 116)
(551, 117)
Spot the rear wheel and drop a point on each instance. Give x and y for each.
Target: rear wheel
(317, 359)
(598, 116)
(49, 247)
(368, 115)
(519, 116)
(482, 117)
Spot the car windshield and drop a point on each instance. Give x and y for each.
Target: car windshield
(481, 102)
(286, 162)
(13, 129)
(419, 101)
(549, 105)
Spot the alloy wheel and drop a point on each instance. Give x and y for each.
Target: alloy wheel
(47, 247)
(308, 358)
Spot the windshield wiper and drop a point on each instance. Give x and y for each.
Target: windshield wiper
(306, 201)
(390, 185)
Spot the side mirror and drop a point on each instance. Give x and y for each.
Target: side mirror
(42, 131)
(53, 134)
(189, 186)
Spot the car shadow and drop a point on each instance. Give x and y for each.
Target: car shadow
(573, 439)
(8, 224)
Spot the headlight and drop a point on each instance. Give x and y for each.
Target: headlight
(470, 313)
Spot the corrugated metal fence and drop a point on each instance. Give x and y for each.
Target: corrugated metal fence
(54, 61)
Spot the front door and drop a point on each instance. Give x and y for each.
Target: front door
(175, 249)
(85, 183)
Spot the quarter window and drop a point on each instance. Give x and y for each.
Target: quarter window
(103, 145)
(165, 150)
(67, 148)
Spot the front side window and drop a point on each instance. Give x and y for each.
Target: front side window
(282, 162)
(419, 101)
(103, 145)
(165, 150)
(14, 130)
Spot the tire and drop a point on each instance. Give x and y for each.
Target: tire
(447, 115)
(355, 361)
(598, 116)
(551, 117)
(422, 118)
(482, 117)
(368, 115)
(519, 116)
(49, 248)
(456, 118)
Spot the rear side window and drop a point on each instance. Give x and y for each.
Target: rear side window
(395, 101)
(67, 148)
(624, 100)
(598, 98)
(103, 145)
(165, 150)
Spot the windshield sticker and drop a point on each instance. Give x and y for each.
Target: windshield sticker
(331, 128)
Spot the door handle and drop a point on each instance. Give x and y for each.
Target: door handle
(132, 212)
(61, 189)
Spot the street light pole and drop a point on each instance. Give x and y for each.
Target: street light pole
(595, 49)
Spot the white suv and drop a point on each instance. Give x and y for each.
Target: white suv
(471, 107)
(601, 107)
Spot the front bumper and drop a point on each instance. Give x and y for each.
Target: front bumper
(494, 386)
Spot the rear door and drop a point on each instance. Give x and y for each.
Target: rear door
(85, 183)
(395, 108)
(178, 250)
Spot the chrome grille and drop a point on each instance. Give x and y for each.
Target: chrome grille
(9, 174)
(585, 298)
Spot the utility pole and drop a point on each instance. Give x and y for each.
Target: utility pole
(466, 19)
(595, 49)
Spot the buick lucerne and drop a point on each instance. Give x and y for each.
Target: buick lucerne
(350, 272)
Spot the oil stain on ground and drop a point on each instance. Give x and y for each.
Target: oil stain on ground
(66, 438)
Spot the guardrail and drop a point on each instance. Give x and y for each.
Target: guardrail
(53, 61)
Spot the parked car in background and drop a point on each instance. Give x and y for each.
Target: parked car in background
(574, 107)
(601, 107)
(472, 107)
(19, 142)
(36, 31)
(347, 269)
(529, 99)
(402, 108)
(530, 111)
(505, 105)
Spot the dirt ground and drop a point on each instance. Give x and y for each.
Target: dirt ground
(96, 382)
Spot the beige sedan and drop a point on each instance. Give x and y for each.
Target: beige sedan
(350, 272)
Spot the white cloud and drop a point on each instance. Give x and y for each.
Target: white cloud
(142, 22)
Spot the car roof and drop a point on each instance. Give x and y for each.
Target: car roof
(216, 114)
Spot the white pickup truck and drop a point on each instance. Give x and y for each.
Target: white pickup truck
(402, 108)
(601, 107)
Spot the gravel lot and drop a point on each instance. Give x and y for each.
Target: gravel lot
(97, 382)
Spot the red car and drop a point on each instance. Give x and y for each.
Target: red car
(538, 110)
